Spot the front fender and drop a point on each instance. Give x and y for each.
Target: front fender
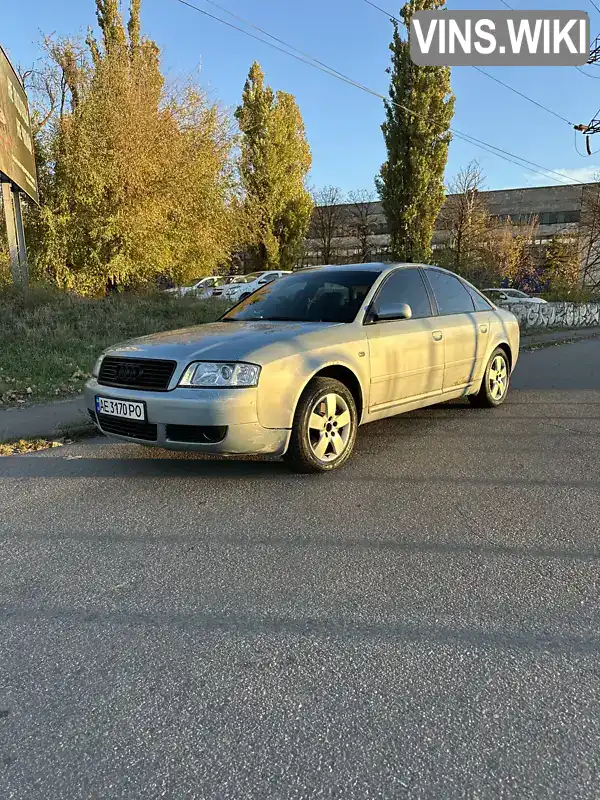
(282, 382)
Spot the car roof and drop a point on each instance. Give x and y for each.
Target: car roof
(372, 266)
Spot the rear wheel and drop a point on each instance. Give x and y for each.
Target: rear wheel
(324, 428)
(496, 380)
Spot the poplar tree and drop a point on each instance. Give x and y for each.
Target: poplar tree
(275, 160)
(417, 135)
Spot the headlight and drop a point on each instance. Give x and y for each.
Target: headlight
(206, 373)
(96, 368)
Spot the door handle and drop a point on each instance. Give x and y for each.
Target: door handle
(438, 336)
(483, 328)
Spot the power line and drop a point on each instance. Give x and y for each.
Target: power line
(266, 33)
(516, 91)
(305, 58)
(595, 6)
(383, 11)
(489, 75)
(587, 74)
(257, 38)
(508, 156)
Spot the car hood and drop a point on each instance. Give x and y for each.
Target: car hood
(218, 341)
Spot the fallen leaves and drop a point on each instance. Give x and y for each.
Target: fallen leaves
(20, 446)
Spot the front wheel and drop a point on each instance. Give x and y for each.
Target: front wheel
(324, 428)
(496, 380)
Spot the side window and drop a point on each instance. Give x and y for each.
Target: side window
(450, 293)
(405, 286)
(479, 301)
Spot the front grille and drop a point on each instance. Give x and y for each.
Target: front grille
(127, 427)
(196, 434)
(147, 374)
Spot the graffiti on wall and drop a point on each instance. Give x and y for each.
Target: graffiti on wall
(556, 315)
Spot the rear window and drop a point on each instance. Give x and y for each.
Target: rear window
(479, 301)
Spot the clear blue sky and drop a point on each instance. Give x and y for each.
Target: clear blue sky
(343, 123)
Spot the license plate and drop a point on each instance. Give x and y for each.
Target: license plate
(127, 409)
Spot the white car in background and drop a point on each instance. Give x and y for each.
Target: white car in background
(202, 288)
(244, 285)
(504, 296)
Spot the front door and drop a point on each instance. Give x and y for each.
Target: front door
(407, 355)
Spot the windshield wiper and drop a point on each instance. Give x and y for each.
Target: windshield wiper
(279, 319)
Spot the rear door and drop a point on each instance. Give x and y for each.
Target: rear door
(465, 329)
(407, 355)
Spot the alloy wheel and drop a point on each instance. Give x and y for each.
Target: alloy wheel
(329, 427)
(498, 378)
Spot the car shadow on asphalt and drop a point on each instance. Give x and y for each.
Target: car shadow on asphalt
(167, 465)
(348, 629)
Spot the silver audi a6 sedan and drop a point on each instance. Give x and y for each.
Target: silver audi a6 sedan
(297, 366)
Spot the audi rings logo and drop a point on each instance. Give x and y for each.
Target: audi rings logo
(129, 373)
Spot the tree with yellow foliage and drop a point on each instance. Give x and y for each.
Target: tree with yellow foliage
(141, 180)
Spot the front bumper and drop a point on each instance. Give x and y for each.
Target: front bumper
(233, 409)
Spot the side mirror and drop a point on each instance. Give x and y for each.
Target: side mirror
(399, 311)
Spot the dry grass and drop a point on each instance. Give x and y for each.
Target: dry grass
(49, 340)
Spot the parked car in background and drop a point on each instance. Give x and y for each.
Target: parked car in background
(202, 288)
(297, 367)
(504, 296)
(244, 285)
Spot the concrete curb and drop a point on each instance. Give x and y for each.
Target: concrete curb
(62, 417)
(45, 420)
(557, 337)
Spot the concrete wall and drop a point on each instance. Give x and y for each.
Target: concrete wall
(556, 315)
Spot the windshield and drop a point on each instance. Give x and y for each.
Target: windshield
(515, 293)
(311, 296)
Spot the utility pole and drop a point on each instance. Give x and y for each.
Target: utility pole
(13, 214)
(593, 125)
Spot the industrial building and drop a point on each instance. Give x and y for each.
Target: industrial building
(556, 208)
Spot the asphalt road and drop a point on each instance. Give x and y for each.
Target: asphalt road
(423, 624)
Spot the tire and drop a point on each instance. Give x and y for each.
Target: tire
(493, 391)
(328, 444)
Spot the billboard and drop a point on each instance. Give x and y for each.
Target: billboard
(17, 160)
